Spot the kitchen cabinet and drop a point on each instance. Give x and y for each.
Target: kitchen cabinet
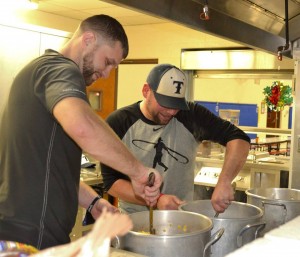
(264, 178)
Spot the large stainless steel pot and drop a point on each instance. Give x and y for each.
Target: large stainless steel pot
(177, 234)
(278, 204)
(241, 222)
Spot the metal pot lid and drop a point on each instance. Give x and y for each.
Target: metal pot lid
(237, 211)
(275, 194)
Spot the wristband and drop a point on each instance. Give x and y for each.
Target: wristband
(89, 209)
(160, 195)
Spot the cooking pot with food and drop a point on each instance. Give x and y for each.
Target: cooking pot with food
(279, 205)
(241, 222)
(177, 234)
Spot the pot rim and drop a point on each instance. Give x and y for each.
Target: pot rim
(186, 234)
(258, 215)
(252, 194)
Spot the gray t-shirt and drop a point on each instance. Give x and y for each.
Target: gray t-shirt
(171, 149)
(39, 162)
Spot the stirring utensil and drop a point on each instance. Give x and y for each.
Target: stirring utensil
(150, 183)
(216, 215)
(233, 187)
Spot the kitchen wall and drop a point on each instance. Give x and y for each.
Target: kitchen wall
(162, 41)
(239, 91)
(18, 46)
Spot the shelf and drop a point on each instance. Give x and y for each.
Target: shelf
(269, 131)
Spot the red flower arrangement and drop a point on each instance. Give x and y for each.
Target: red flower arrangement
(277, 96)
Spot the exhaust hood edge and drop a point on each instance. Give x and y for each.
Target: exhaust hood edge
(220, 25)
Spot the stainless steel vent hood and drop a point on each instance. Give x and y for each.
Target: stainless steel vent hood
(236, 63)
(257, 24)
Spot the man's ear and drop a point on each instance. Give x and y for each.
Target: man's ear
(88, 38)
(146, 90)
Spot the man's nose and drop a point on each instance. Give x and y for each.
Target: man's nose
(106, 72)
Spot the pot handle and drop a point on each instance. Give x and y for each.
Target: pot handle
(115, 242)
(278, 204)
(259, 225)
(214, 238)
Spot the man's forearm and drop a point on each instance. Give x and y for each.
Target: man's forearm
(123, 189)
(235, 157)
(95, 137)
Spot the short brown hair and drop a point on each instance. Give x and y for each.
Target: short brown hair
(108, 27)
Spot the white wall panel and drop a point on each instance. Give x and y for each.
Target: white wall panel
(51, 41)
(18, 47)
(131, 78)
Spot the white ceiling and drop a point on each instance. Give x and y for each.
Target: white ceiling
(81, 9)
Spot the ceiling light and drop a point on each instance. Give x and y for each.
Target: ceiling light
(19, 5)
(31, 4)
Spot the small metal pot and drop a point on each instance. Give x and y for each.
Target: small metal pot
(177, 234)
(241, 222)
(279, 205)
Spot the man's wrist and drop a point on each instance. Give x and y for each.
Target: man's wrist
(160, 195)
(89, 209)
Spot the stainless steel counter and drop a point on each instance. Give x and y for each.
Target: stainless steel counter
(263, 172)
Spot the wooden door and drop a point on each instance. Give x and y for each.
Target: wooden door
(103, 94)
(273, 119)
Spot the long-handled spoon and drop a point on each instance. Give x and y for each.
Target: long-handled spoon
(150, 183)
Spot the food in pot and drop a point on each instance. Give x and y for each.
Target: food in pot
(165, 229)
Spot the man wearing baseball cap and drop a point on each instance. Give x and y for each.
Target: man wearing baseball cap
(164, 131)
(168, 84)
